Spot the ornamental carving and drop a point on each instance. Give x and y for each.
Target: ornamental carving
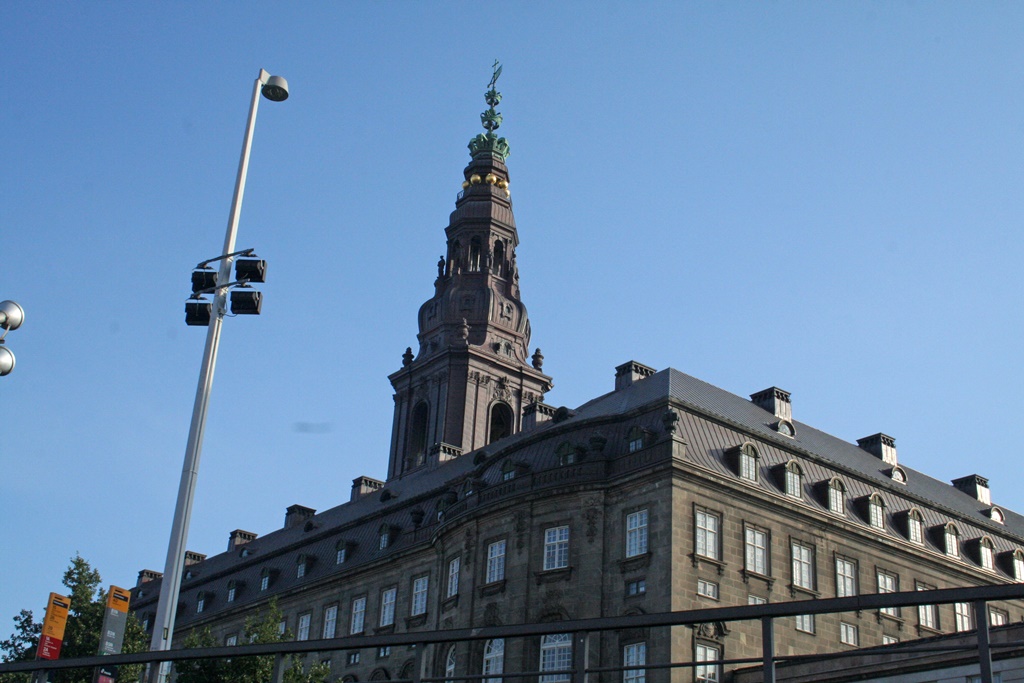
(467, 547)
(712, 630)
(501, 390)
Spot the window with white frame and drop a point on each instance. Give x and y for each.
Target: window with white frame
(706, 542)
(494, 660)
(963, 618)
(282, 628)
(709, 589)
(353, 658)
(887, 583)
(927, 615)
(419, 595)
(1018, 565)
(634, 654)
(330, 621)
(556, 548)
(848, 634)
(453, 577)
(748, 463)
(889, 640)
(302, 633)
(915, 528)
(449, 665)
(756, 551)
(383, 537)
(556, 655)
(805, 623)
(997, 617)
(846, 577)
(496, 561)
(836, 497)
(231, 640)
(794, 480)
(636, 439)
(300, 566)
(383, 652)
(756, 600)
(232, 590)
(803, 565)
(636, 533)
(201, 602)
(988, 554)
(357, 625)
(265, 581)
(387, 606)
(340, 554)
(707, 673)
(638, 587)
(952, 539)
(876, 512)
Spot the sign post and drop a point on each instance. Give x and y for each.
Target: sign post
(112, 637)
(52, 636)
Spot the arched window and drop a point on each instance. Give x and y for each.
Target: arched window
(987, 554)
(501, 422)
(951, 536)
(1018, 565)
(499, 259)
(449, 665)
(748, 462)
(494, 659)
(794, 480)
(418, 433)
(876, 511)
(915, 527)
(474, 254)
(556, 655)
(836, 497)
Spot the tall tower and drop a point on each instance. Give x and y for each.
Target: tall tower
(473, 374)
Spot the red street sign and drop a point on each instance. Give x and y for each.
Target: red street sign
(49, 647)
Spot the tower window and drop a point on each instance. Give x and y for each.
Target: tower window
(418, 433)
(501, 422)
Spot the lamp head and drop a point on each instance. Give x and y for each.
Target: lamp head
(6, 361)
(11, 315)
(275, 89)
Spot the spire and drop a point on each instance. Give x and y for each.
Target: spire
(486, 144)
(473, 374)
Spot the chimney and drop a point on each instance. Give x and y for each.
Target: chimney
(975, 486)
(881, 446)
(193, 558)
(775, 401)
(364, 485)
(147, 575)
(628, 373)
(537, 413)
(239, 538)
(295, 515)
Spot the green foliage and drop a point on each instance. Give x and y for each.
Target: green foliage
(82, 633)
(296, 673)
(201, 670)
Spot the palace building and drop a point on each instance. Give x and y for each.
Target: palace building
(664, 494)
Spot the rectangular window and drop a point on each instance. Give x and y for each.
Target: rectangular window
(846, 578)
(756, 552)
(496, 561)
(848, 634)
(707, 673)
(303, 631)
(453, 578)
(339, 557)
(358, 616)
(964, 620)
(353, 658)
(330, 621)
(915, 529)
(927, 615)
(556, 548)
(708, 589)
(231, 640)
(556, 655)
(836, 501)
(384, 652)
(748, 467)
(1018, 567)
(282, 626)
(637, 587)
(756, 600)
(706, 542)
(803, 565)
(419, 595)
(265, 582)
(387, 606)
(636, 533)
(805, 623)
(793, 483)
(997, 617)
(634, 654)
(888, 583)
(200, 604)
(231, 594)
(300, 570)
(890, 640)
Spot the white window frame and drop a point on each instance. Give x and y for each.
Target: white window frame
(997, 617)
(987, 554)
(330, 621)
(748, 465)
(358, 622)
(803, 565)
(232, 592)
(887, 583)
(708, 527)
(963, 617)
(952, 538)
(708, 589)
(836, 497)
(1018, 566)
(876, 512)
(707, 673)
(231, 640)
(915, 528)
(849, 634)
(755, 555)
(341, 555)
(449, 665)
(420, 586)
(302, 627)
(794, 480)
(388, 597)
(555, 655)
(634, 654)
(494, 660)
(454, 565)
(927, 615)
(804, 623)
(846, 577)
(556, 547)
(496, 561)
(636, 533)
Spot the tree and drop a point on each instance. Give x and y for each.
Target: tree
(318, 672)
(82, 632)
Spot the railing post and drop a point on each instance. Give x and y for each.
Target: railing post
(417, 667)
(767, 650)
(580, 656)
(984, 647)
(275, 677)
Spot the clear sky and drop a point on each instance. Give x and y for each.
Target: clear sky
(825, 197)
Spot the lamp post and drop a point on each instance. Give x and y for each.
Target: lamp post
(11, 317)
(274, 88)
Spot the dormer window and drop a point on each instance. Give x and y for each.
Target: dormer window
(232, 590)
(508, 471)
(996, 515)
(566, 453)
(1018, 565)
(915, 527)
(635, 439)
(836, 497)
(793, 478)
(951, 539)
(987, 554)
(746, 462)
(245, 552)
(188, 575)
(302, 563)
(265, 576)
(385, 536)
(200, 602)
(785, 427)
(876, 511)
(898, 475)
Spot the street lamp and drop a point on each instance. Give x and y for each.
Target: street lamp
(11, 317)
(275, 89)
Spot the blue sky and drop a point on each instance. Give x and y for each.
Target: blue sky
(826, 197)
